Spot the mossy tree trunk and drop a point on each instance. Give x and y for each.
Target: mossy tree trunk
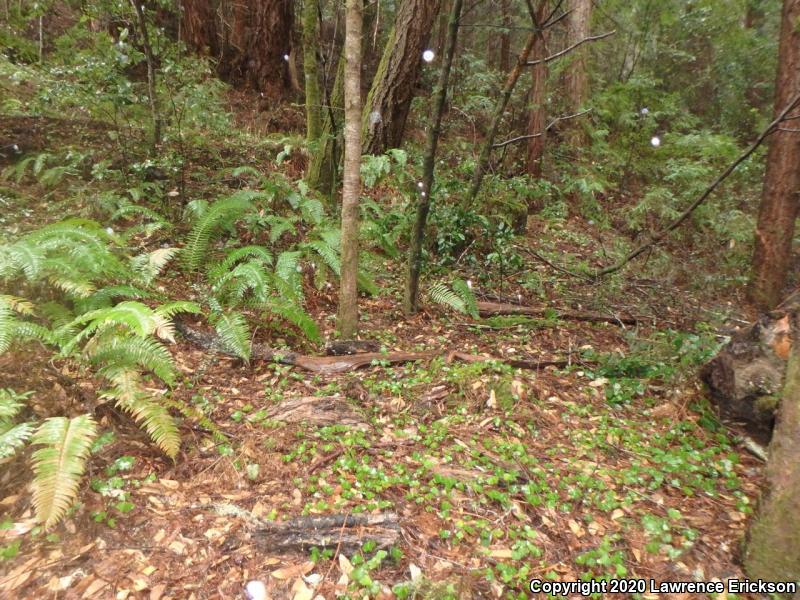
(324, 165)
(773, 549)
(347, 322)
(389, 99)
(311, 70)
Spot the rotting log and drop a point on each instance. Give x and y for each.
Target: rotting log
(746, 376)
(493, 309)
(348, 533)
(331, 365)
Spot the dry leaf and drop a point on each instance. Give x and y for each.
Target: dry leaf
(345, 566)
(293, 571)
(301, 591)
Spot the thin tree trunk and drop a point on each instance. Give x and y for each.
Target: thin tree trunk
(577, 79)
(497, 117)
(348, 293)
(411, 299)
(311, 70)
(773, 549)
(779, 203)
(389, 99)
(151, 76)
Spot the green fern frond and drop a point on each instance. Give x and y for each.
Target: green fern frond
(329, 255)
(218, 215)
(17, 304)
(441, 294)
(145, 410)
(150, 265)
(280, 225)
(11, 403)
(25, 330)
(297, 316)
(115, 351)
(14, 437)
(312, 210)
(59, 464)
(366, 284)
(466, 294)
(234, 334)
(170, 309)
(7, 322)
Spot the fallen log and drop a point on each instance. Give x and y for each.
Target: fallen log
(326, 365)
(493, 309)
(331, 365)
(746, 376)
(348, 533)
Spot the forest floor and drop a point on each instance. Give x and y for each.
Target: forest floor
(611, 466)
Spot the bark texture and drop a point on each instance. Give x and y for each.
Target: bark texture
(311, 70)
(779, 203)
(249, 40)
(324, 166)
(538, 99)
(348, 292)
(389, 99)
(773, 550)
(577, 78)
(411, 298)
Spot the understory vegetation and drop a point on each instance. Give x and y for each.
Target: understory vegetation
(127, 446)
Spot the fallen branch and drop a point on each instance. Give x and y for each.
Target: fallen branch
(552, 57)
(550, 125)
(348, 532)
(491, 309)
(656, 238)
(533, 365)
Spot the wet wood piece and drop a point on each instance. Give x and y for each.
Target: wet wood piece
(344, 531)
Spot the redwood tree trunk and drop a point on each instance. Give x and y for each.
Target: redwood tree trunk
(505, 38)
(577, 79)
(250, 40)
(538, 99)
(389, 100)
(348, 292)
(779, 203)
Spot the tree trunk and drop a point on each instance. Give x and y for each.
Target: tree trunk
(311, 70)
(411, 299)
(538, 100)
(249, 40)
(152, 93)
(577, 80)
(348, 292)
(773, 549)
(779, 203)
(393, 88)
(324, 166)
